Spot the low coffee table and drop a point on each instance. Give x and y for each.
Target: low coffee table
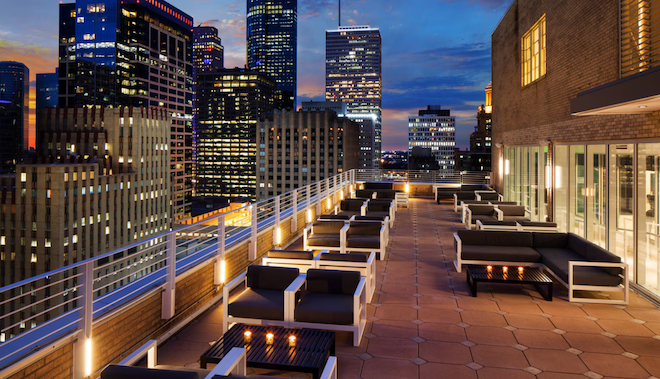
(496, 225)
(529, 275)
(310, 353)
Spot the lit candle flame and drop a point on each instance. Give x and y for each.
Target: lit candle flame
(505, 269)
(520, 269)
(489, 268)
(247, 336)
(292, 340)
(269, 338)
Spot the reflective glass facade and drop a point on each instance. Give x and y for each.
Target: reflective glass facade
(14, 111)
(272, 39)
(353, 75)
(434, 129)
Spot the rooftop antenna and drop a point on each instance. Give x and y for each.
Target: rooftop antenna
(339, 18)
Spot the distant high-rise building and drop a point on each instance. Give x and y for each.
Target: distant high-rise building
(231, 101)
(353, 76)
(14, 113)
(208, 52)
(315, 106)
(131, 52)
(434, 128)
(481, 138)
(272, 39)
(47, 90)
(299, 148)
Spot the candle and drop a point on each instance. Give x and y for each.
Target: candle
(505, 269)
(247, 336)
(489, 268)
(269, 338)
(292, 341)
(520, 269)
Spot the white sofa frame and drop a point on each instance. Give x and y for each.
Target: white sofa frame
(363, 208)
(359, 315)
(623, 287)
(301, 264)
(478, 193)
(233, 364)
(309, 230)
(500, 213)
(384, 241)
(289, 303)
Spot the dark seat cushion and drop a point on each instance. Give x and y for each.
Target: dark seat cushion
(379, 216)
(500, 253)
(270, 278)
(332, 281)
(290, 254)
(480, 209)
(474, 187)
(482, 218)
(325, 308)
(556, 240)
(364, 229)
(515, 218)
(367, 194)
(258, 304)
(378, 185)
(539, 224)
(351, 205)
(355, 257)
(465, 195)
(578, 244)
(495, 238)
(349, 214)
(372, 216)
(512, 210)
(362, 241)
(385, 194)
(327, 227)
(330, 240)
(596, 253)
(130, 372)
(378, 207)
(489, 195)
(335, 217)
(556, 259)
(498, 222)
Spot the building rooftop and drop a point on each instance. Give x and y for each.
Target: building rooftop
(423, 321)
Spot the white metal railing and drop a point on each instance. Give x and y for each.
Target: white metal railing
(424, 176)
(65, 302)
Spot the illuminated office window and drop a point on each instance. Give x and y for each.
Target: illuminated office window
(533, 55)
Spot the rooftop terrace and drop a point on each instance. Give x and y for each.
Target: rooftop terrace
(422, 322)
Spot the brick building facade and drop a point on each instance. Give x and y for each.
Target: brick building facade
(575, 129)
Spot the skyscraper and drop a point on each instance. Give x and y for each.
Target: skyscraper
(14, 112)
(208, 52)
(47, 94)
(133, 52)
(231, 101)
(353, 75)
(434, 128)
(272, 38)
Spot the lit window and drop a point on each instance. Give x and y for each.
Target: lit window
(533, 55)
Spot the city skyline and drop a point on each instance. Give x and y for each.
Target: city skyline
(424, 61)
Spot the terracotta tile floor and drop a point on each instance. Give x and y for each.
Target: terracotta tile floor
(424, 324)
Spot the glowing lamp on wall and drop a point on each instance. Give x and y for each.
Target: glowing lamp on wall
(407, 188)
(309, 215)
(223, 271)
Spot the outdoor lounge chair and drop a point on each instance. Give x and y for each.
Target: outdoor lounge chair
(476, 212)
(351, 207)
(325, 235)
(333, 300)
(365, 236)
(382, 208)
(516, 213)
(264, 299)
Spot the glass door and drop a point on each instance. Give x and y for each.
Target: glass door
(578, 190)
(560, 187)
(648, 217)
(596, 194)
(621, 198)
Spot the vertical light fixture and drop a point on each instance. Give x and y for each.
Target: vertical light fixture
(548, 170)
(223, 271)
(309, 215)
(407, 188)
(558, 177)
(506, 167)
(88, 357)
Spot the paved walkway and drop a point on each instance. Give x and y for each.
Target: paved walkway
(424, 324)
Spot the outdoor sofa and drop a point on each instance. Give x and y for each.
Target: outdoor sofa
(575, 262)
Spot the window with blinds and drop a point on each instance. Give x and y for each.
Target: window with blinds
(640, 35)
(532, 53)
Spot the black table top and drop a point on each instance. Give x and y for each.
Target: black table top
(498, 222)
(311, 350)
(496, 273)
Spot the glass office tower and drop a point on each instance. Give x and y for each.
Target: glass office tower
(231, 102)
(133, 53)
(353, 75)
(272, 38)
(14, 112)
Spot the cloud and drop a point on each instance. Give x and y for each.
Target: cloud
(311, 9)
(488, 5)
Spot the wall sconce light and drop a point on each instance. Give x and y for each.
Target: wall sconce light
(88, 357)
(545, 142)
(223, 271)
(548, 170)
(309, 215)
(499, 145)
(506, 167)
(407, 188)
(278, 236)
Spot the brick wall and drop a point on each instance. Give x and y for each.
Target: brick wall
(582, 53)
(57, 365)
